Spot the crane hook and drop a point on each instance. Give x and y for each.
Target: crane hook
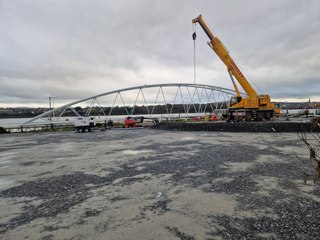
(194, 36)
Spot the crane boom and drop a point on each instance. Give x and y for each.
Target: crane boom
(225, 57)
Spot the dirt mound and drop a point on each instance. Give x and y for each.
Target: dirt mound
(240, 126)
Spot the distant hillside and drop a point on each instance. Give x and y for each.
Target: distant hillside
(158, 109)
(299, 105)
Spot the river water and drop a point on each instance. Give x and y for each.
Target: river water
(16, 122)
(12, 122)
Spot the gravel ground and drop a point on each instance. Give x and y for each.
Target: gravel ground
(156, 184)
(278, 125)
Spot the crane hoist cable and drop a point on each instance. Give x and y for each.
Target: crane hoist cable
(194, 37)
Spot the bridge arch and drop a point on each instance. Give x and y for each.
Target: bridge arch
(196, 98)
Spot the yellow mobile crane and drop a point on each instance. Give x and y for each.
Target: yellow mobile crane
(253, 106)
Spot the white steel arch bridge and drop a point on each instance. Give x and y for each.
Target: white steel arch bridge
(184, 99)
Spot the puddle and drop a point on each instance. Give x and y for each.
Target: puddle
(5, 157)
(4, 161)
(135, 152)
(187, 138)
(66, 146)
(4, 182)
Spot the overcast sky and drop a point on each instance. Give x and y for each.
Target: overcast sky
(79, 48)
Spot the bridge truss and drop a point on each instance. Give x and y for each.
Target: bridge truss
(192, 98)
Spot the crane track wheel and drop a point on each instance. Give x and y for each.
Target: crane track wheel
(259, 116)
(248, 116)
(268, 115)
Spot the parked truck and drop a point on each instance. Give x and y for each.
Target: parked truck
(84, 124)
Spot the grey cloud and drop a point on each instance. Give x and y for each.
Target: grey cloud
(60, 46)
